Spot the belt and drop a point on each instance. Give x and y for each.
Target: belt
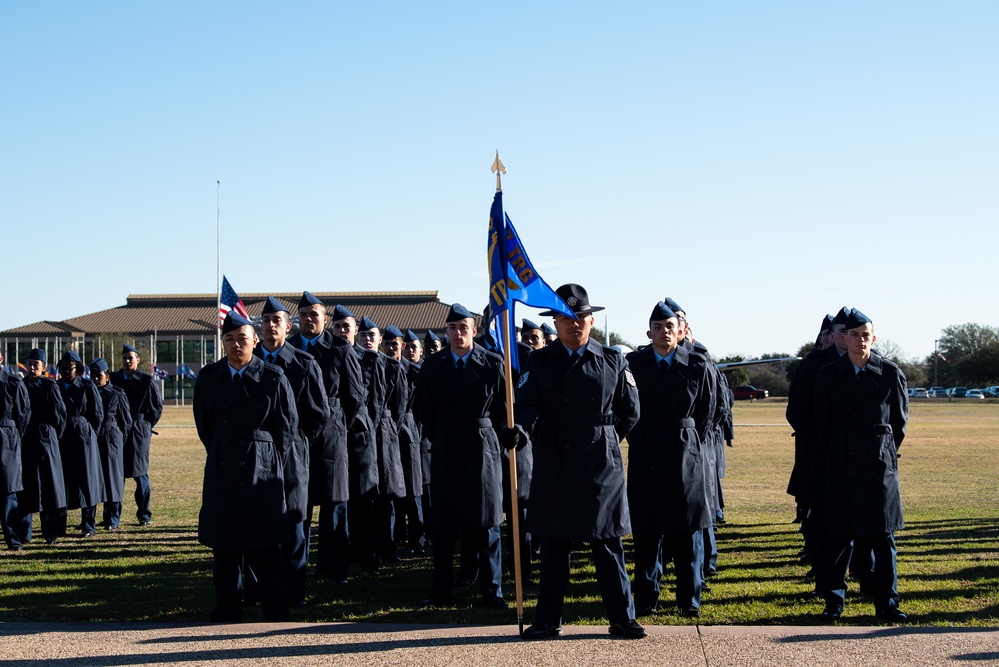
(587, 420)
(470, 423)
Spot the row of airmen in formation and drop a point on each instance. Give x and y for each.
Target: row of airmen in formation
(316, 419)
(419, 435)
(71, 443)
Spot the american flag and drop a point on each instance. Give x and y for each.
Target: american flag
(230, 301)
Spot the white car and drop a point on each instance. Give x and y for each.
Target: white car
(975, 393)
(919, 392)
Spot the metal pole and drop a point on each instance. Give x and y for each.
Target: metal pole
(218, 267)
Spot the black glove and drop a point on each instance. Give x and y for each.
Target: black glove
(512, 438)
(728, 443)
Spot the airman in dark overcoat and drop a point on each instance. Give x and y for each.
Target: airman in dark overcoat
(81, 457)
(146, 404)
(15, 413)
(111, 440)
(667, 492)
(861, 409)
(244, 410)
(42, 476)
(578, 401)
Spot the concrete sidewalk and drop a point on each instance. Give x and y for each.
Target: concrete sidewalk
(369, 644)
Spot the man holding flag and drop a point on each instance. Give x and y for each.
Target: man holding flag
(579, 400)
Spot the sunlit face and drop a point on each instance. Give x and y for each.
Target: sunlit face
(859, 341)
(533, 338)
(683, 331)
(312, 320)
(664, 334)
(100, 378)
(35, 368)
(460, 335)
(393, 347)
(345, 329)
(839, 337)
(67, 370)
(573, 332)
(274, 329)
(238, 345)
(413, 351)
(370, 339)
(434, 346)
(130, 360)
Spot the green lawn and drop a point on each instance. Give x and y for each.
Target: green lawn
(948, 554)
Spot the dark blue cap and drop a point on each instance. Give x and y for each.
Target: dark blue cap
(391, 332)
(274, 306)
(365, 324)
(827, 323)
(233, 321)
(430, 337)
(457, 313)
(410, 337)
(308, 299)
(126, 348)
(842, 315)
(661, 312)
(673, 305)
(37, 354)
(527, 325)
(341, 313)
(856, 319)
(547, 330)
(576, 297)
(98, 365)
(71, 355)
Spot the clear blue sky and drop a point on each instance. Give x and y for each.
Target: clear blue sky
(761, 162)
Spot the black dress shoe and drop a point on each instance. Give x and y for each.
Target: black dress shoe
(629, 630)
(542, 631)
(705, 587)
(692, 612)
(832, 612)
(433, 602)
(893, 614)
(87, 533)
(645, 611)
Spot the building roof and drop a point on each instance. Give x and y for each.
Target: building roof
(196, 314)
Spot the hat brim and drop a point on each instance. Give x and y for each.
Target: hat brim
(588, 311)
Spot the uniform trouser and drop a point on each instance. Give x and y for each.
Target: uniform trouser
(720, 510)
(24, 526)
(11, 520)
(612, 580)
(361, 519)
(837, 551)
(469, 561)
(142, 496)
(88, 519)
(409, 522)
(296, 554)
(112, 515)
(687, 552)
(333, 559)
(425, 505)
(268, 565)
(710, 549)
(526, 553)
(53, 523)
(385, 527)
(486, 542)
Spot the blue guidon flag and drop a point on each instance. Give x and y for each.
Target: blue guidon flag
(512, 278)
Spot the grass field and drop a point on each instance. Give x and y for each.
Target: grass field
(948, 558)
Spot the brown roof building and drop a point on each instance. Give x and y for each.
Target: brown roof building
(181, 328)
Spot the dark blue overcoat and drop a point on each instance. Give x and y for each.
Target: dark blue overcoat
(15, 413)
(81, 458)
(577, 418)
(42, 476)
(111, 440)
(146, 405)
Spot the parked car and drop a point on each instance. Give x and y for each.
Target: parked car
(958, 392)
(919, 392)
(748, 392)
(992, 391)
(939, 392)
(940, 389)
(975, 393)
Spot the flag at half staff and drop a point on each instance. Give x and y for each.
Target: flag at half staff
(512, 277)
(229, 300)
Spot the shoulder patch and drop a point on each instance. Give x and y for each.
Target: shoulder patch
(523, 379)
(629, 377)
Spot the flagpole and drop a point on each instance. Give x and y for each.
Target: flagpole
(218, 267)
(510, 422)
